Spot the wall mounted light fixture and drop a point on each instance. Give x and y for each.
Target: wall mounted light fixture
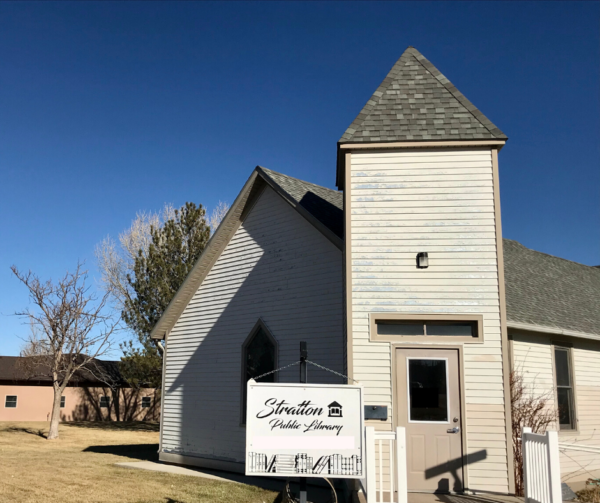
(422, 260)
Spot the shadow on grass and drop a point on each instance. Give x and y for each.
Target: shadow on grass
(116, 426)
(30, 431)
(278, 499)
(143, 452)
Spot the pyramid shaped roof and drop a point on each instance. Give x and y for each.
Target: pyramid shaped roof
(416, 102)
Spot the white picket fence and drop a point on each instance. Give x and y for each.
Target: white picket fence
(385, 466)
(541, 467)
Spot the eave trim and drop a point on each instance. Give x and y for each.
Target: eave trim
(552, 330)
(422, 144)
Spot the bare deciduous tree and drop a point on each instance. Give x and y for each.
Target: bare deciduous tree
(116, 261)
(528, 409)
(69, 331)
(217, 216)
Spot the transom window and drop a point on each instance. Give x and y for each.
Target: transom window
(105, 402)
(146, 402)
(11, 402)
(564, 388)
(427, 328)
(259, 355)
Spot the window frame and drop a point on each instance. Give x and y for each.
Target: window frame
(477, 319)
(104, 406)
(260, 324)
(63, 401)
(568, 348)
(148, 400)
(6, 401)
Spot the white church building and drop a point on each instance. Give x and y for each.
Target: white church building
(400, 280)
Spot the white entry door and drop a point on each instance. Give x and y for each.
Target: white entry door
(428, 393)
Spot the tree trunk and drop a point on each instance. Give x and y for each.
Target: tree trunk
(55, 417)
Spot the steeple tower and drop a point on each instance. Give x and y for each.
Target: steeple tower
(424, 275)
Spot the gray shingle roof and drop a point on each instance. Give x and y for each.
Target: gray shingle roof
(545, 290)
(326, 205)
(416, 102)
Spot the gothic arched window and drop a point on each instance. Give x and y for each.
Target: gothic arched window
(259, 356)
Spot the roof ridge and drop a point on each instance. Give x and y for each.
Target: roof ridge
(453, 90)
(550, 255)
(267, 171)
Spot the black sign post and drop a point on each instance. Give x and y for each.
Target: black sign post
(303, 379)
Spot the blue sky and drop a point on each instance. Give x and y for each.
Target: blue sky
(110, 108)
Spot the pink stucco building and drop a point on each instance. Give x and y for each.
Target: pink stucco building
(87, 398)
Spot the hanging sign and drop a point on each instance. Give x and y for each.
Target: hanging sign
(306, 430)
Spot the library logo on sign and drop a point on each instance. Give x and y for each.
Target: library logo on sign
(335, 409)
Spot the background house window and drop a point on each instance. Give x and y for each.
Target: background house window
(62, 402)
(105, 402)
(258, 358)
(146, 402)
(564, 388)
(11, 401)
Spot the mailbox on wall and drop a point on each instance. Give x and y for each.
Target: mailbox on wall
(376, 412)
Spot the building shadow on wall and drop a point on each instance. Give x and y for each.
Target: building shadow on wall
(329, 214)
(295, 287)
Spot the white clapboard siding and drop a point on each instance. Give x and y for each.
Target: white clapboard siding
(276, 267)
(440, 202)
(532, 356)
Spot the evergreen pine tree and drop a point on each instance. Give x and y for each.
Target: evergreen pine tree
(174, 250)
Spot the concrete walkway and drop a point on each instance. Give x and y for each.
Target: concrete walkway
(174, 469)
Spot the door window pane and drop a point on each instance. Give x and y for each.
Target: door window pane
(428, 390)
(390, 328)
(460, 328)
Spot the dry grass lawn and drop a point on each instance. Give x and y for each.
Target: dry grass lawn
(79, 467)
